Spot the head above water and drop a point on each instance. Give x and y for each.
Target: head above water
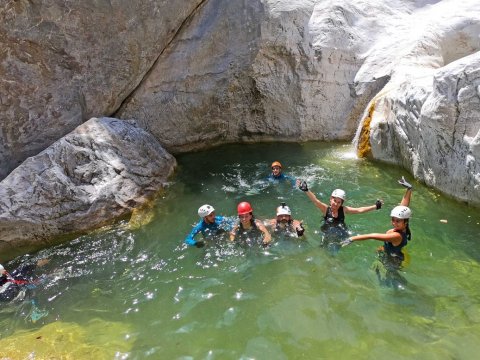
(401, 212)
(283, 210)
(244, 208)
(339, 193)
(205, 210)
(275, 164)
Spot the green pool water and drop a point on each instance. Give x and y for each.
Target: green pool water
(124, 293)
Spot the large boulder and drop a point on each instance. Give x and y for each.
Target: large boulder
(99, 172)
(426, 118)
(62, 62)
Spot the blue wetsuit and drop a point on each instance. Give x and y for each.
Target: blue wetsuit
(281, 178)
(220, 225)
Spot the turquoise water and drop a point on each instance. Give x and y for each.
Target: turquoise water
(140, 293)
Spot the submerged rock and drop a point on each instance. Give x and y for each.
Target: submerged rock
(98, 173)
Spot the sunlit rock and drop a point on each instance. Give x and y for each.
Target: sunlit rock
(426, 118)
(99, 172)
(63, 62)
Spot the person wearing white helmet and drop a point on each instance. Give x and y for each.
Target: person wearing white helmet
(284, 224)
(334, 212)
(209, 225)
(395, 239)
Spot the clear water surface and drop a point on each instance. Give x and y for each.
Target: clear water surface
(139, 293)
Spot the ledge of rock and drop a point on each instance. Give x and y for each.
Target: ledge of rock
(99, 172)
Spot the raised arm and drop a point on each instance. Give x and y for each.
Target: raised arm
(302, 185)
(408, 193)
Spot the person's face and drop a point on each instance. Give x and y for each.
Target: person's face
(399, 224)
(283, 219)
(245, 218)
(276, 170)
(210, 219)
(335, 202)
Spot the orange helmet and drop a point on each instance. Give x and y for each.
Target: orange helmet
(244, 208)
(276, 163)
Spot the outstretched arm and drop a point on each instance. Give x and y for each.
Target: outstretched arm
(392, 237)
(360, 210)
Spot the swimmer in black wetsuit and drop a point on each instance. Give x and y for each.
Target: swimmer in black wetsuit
(14, 285)
(248, 230)
(394, 240)
(334, 227)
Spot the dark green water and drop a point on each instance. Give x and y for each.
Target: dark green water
(137, 294)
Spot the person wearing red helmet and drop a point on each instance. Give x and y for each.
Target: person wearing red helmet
(249, 230)
(394, 240)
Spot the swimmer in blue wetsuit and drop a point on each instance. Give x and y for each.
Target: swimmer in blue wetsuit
(278, 176)
(394, 240)
(210, 225)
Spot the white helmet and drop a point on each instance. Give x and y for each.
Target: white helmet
(401, 212)
(205, 210)
(283, 210)
(339, 193)
(2, 269)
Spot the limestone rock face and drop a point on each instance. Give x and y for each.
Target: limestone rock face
(270, 72)
(426, 118)
(94, 175)
(62, 62)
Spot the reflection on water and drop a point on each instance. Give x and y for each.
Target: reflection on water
(139, 292)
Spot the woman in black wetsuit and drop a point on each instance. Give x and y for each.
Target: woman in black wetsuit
(395, 239)
(248, 230)
(334, 227)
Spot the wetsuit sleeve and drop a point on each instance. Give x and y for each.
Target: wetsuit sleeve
(189, 240)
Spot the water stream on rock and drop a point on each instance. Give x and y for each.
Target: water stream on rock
(137, 293)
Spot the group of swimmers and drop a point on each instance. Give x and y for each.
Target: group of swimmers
(249, 230)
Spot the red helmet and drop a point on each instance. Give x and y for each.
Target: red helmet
(244, 208)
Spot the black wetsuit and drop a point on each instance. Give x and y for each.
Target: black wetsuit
(12, 288)
(249, 237)
(334, 230)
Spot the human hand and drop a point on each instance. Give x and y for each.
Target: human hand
(199, 244)
(346, 242)
(404, 183)
(300, 230)
(302, 185)
(379, 204)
